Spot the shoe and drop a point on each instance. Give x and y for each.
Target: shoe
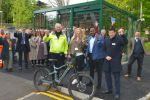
(27, 67)
(106, 92)
(10, 70)
(33, 65)
(74, 81)
(117, 97)
(127, 75)
(98, 87)
(138, 79)
(20, 68)
(89, 84)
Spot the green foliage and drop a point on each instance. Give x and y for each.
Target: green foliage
(134, 7)
(147, 45)
(6, 3)
(22, 11)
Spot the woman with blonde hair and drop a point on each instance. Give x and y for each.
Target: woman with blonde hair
(77, 46)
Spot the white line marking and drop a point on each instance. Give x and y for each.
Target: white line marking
(26, 96)
(146, 97)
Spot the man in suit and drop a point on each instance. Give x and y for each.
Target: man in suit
(72, 33)
(112, 62)
(94, 55)
(22, 46)
(137, 46)
(123, 48)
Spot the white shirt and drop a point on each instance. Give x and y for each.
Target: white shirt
(137, 39)
(24, 37)
(92, 44)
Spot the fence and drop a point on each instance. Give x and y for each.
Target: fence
(5, 25)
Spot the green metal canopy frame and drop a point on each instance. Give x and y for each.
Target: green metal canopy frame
(72, 11)
(86, 7)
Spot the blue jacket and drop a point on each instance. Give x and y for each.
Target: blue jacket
(5, 50)
(111, 48)
(97, 48)
(71, 34)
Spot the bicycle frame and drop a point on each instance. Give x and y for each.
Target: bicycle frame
(56, 77)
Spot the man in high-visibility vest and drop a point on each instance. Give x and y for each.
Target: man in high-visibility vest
(2, 33)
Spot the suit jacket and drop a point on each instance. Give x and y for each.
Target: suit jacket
(5, 50)
(71, 34)
(123, 48)
(143, 40)
(111, 48)
(97, 48)
(19, 36)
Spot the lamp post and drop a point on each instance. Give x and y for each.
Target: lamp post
(1, 18)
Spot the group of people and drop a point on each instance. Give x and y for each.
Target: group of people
(98, 49)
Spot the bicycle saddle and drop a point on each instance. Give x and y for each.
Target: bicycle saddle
(52, 59)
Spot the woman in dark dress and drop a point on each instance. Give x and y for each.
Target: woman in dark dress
(41, 48)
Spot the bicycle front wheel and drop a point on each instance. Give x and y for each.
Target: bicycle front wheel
(39, 77)
(78, 88)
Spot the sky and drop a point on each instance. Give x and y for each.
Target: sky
(71, 1)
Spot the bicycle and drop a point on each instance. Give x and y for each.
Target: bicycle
(44, 81)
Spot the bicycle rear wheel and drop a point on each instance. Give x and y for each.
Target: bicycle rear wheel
(39, 78)
(78, 90)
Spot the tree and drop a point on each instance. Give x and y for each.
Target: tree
(6, 8)
(42, 5)
(133, 7)
(22, 11)
(58, 3)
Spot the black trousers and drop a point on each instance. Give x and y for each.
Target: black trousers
(57, 64)
(48, 56)
(23, 48)
(109, 80)
(79, 64)
(33, 61)
(95, 64)
(139, 58)
(41, 61)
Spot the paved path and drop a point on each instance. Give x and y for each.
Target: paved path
(131, 89)
(16, 88)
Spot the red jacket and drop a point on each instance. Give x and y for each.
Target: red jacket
(97, 30)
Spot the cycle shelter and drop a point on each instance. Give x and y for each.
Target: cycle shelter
(84, 15)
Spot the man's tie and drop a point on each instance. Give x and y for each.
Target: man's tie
(23, 39)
